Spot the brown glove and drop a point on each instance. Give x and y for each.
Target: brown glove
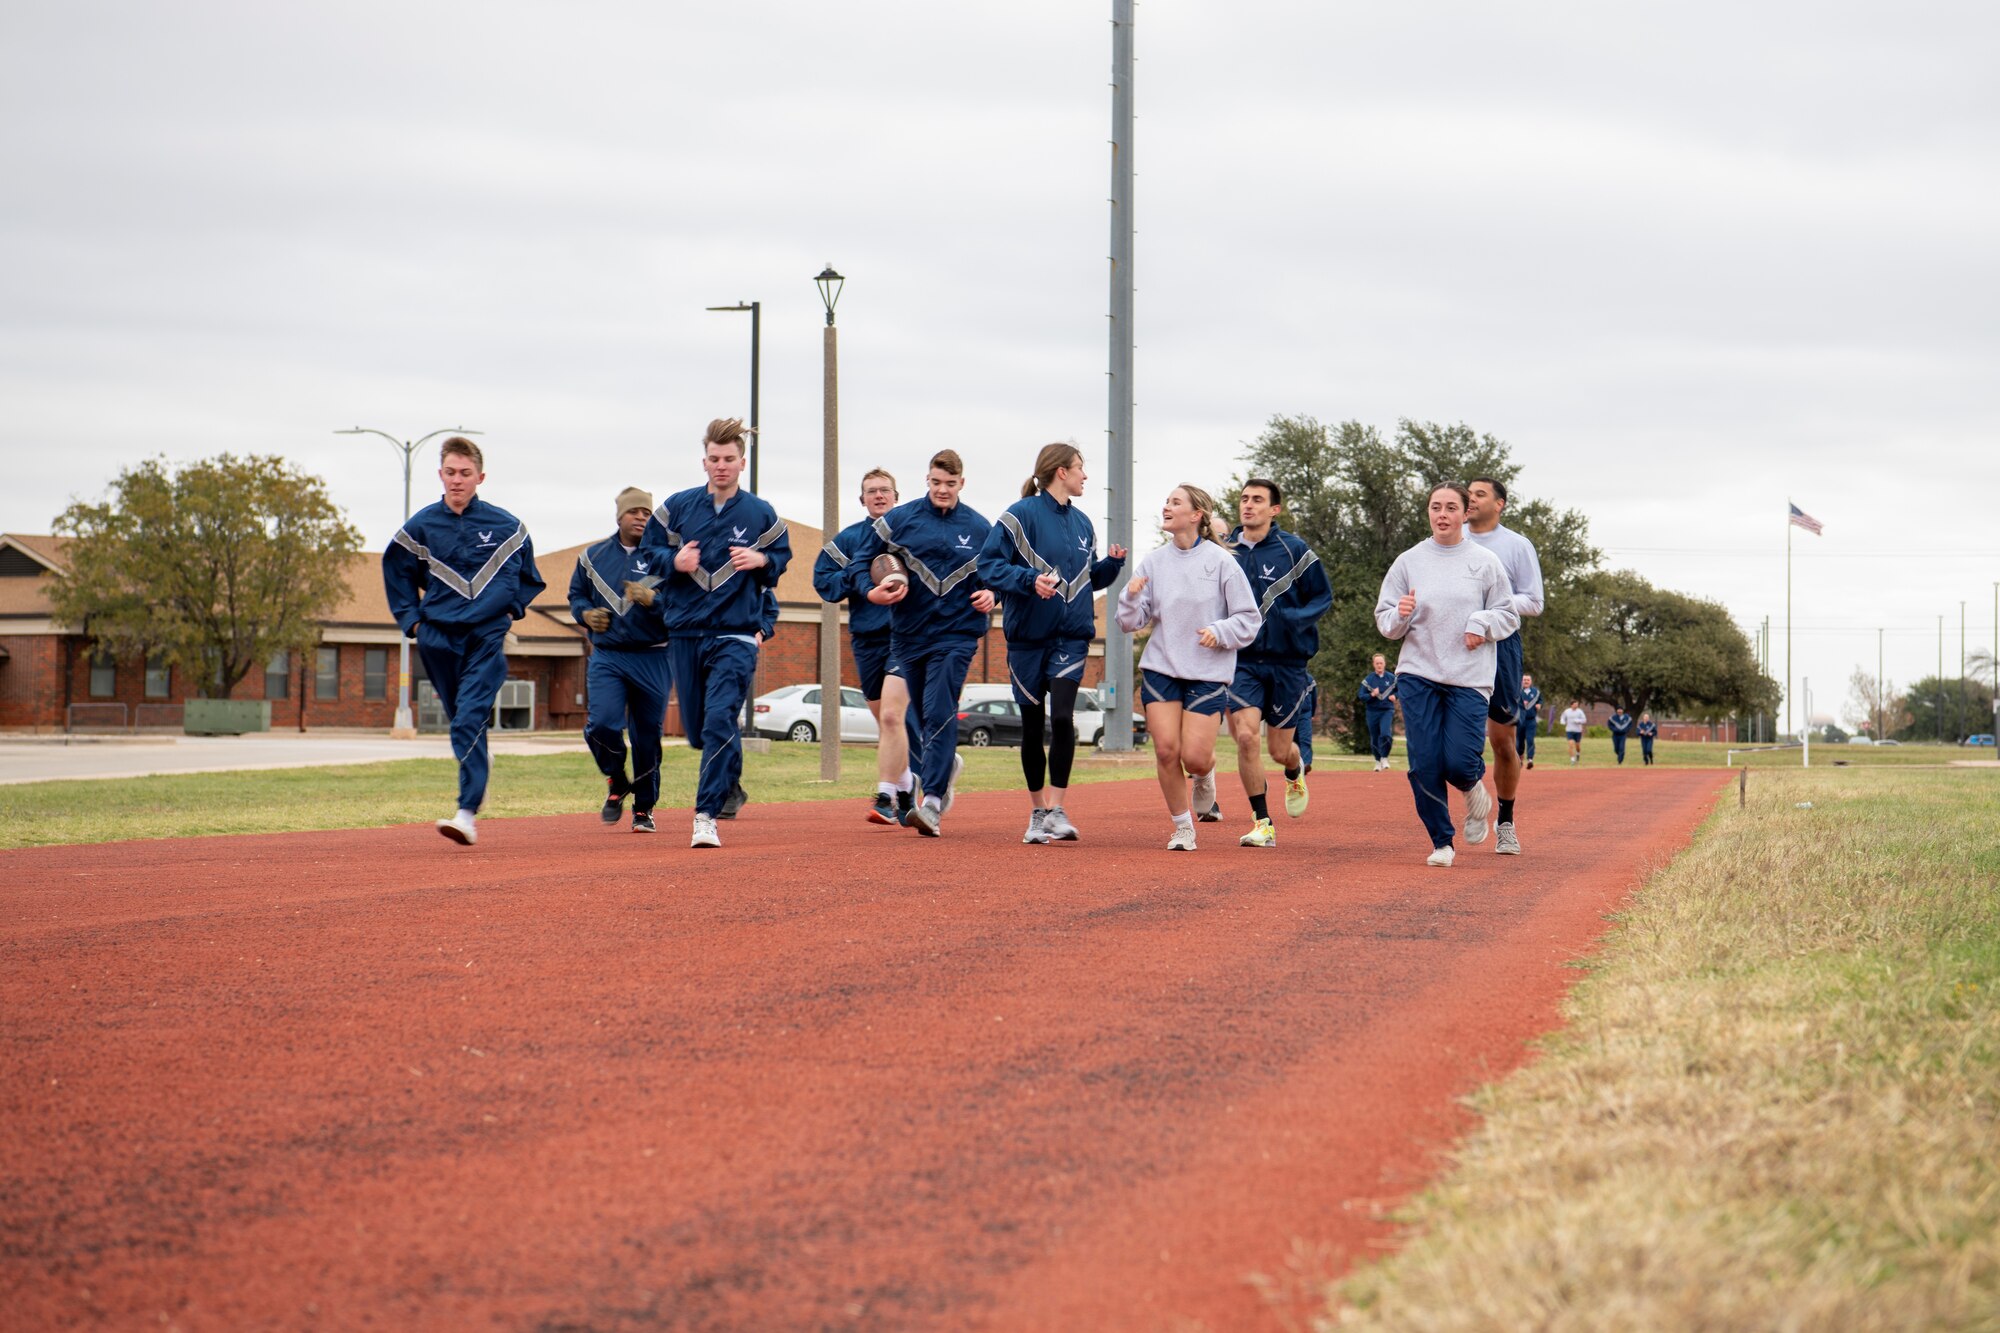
(597, 619)
(640, 593)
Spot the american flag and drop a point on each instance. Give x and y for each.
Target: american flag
(1801, 519)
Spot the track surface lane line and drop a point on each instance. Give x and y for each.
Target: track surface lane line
(829, 1076)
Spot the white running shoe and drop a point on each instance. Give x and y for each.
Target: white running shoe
(1036, 833)
(1056, 824)
(704, 833)
(461, 828)
(1478, 805)
(1183, 839)
(1202, 796)
(951, 785)
(1441, 857)
(1504, 841)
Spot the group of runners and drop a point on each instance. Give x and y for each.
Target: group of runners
(680, 598)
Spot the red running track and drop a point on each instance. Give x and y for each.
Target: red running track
(831, 1076)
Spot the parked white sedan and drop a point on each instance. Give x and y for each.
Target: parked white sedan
(791, 713)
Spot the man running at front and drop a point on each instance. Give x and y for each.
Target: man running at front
(939, 618)
(457, 575)
(1272, 683)
(839, 573)
(1503, 709)
(725, 547)
(1531, 712)
(627, 680)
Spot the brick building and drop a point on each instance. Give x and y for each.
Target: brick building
(53, 677)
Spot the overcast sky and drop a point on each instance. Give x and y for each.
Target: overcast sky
(1688, 260)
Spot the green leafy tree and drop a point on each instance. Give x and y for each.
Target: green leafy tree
(1649, 648)
(1950, 708)
(217, 565)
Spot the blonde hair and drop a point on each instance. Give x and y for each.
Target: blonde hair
(726, 430)
(884, 474)
(1204, 504)
(949, 460)
(464, 448)
(1052, 459)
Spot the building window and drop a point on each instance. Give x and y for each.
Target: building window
(103, 675)
(326, 673)
(278, 676)
(375, 673)
(159, 677)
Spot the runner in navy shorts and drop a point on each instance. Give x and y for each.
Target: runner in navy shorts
(1203, 697)
(1506, 706)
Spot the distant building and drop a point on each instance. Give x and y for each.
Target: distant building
(54, 678)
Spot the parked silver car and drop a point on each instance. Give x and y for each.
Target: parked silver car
(792, 713)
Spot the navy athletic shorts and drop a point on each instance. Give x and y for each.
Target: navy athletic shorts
(1033, 667)
(1505, 705)
(1207, 697)
(871, 662)
(1278, 690)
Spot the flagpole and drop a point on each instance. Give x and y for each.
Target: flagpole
(1788, 618)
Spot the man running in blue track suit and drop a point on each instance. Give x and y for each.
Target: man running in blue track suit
(1649, 731)
(939, 618)
(1620, 723)
(841, 573)
(1272, 683)
(457, 575)
(627, 680)
(1378, 695)
(1531, 711)
(1041, 558)
(1503, 708)
(725, 547)
(767, 626)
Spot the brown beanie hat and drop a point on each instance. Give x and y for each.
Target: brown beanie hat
(634, 498)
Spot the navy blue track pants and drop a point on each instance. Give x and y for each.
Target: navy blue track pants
(935, 673)
(1444, 729)
(712, 677)
(628, 692)
(1381, 731)
(467, 667)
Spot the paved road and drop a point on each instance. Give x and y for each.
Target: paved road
(41, 759)
(830, 1076)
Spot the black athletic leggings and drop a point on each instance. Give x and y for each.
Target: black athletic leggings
(1062, 740)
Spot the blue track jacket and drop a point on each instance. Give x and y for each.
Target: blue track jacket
(1531, 701)
(841, 571)
(1384, 681)
(602, 572)
(715, 599)
(1292, 592)
(941, 548)
(1619, 727)
(1041, 535)
(458, 571)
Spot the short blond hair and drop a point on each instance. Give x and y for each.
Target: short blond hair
(884, 474)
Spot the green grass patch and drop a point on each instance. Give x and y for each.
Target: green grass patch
(1777, 1102)
(371, 795)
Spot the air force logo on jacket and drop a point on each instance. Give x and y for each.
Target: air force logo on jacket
(944, 570)
(459, 571)
(716, 598)
(1038, 535)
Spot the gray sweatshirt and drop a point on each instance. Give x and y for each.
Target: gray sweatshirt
(1461, 590)
(1523, 566)
(1186, 592)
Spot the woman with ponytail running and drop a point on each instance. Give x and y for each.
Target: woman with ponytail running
(1196, 598)
(1041, 559)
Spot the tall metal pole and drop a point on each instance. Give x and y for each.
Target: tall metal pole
(1878, 684)
(405, 726)
(829, 612)
(1937, 695)
(1118, 644)
(1788, 621)
(1995, 663)
(1964, 705)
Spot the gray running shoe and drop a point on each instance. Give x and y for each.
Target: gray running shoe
(1036, 833)
(1183, 839)
(1478, 805)
(1504, 841)
(926, 818)
(951, 785)
(1056, 824)
(1202, 798)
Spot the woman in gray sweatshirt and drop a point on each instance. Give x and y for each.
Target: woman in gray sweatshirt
(1196, 598)
(1449, 600)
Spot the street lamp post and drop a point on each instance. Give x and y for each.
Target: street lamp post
(830, 284)
(406, 726)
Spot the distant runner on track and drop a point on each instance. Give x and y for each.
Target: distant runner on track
(1574, 720)
(1531, 709)
(1194, 595)
(628, 679)
(1378, 699)
(1448, 600)
(1041, 560)
(457, 575)
(1648, 730)
(1620, 723)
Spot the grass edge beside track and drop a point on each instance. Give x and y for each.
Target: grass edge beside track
(1775, 1104)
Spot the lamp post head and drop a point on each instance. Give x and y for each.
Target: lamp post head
(830, 284)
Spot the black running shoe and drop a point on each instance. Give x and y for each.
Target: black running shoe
(906, 805)
(642, 821)
(614, 804)
(736, 800)
(883, 811)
